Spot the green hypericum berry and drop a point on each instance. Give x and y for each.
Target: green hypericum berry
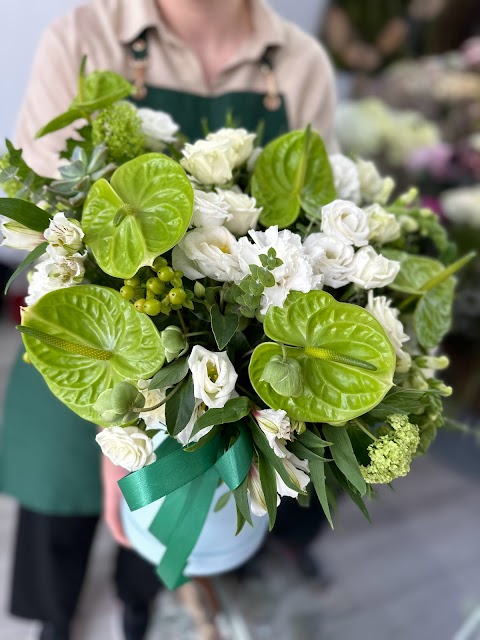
(127, 292)
(158, 263)
(155, 285)
(166, 274)
(177, 295)
(140, 305)
(152, 307)
(149, 295)
(132, 282)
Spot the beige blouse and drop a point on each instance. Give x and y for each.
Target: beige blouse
(102, 30)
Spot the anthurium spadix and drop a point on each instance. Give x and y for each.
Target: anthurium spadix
(346, 359)
(140, 214)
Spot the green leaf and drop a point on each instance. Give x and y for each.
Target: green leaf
(222, 501)
(304, 453)
(292, 173)
(268, 480)
(349, 489)
(344, 457)
(404, 401)
(61, 121)
(317, 474)
(234, 410)
(170, 375)
(312, 441)
(26, 262)
(433, 315)
(143, 213)
(415, 271)
(223, 327)
(241, 500)
(95, 320)
(334, 391)
(179, 408)
(25, 213)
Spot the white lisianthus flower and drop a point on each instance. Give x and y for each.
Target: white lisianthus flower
(381, 309)
(64, 236)
(243, 210)
(345, 176)
(65, 271)
(210, 209)
(17, 236)
(214, 376)
(208, 161)
(295, 274)
(127, 447)
(276, 426)
(185, 436)
(158, 128)
(207, 252)
(331, 258)
(343, 220)
(153, 419)
(373, 187)
(240, 144)
(371, 270)
(384, 226)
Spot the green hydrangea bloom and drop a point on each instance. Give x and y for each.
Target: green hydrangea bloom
(391, 454)
(9, 187)
(120, 128)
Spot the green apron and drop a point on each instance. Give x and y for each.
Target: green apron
(49, 460)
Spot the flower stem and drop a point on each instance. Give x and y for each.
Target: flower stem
(367, 432)
(182, 321)
(197, 333)
(160, 404)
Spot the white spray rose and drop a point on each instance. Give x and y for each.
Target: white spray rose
(276, 426)
(127, 447)
(214, 376)
(373, 187)
(207, 252)
(346, 222)
(384, 226)
(331, 258)
(210, 209)
(153, 419)
(372, 270)
(345, 175)
(64, 236)
(158, 128)
(240, 144)
(17, 236)
(243, 210)
(208, 161)
(381, 309)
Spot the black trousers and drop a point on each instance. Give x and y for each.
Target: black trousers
(51, 558)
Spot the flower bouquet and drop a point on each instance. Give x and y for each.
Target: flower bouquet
(268, 316)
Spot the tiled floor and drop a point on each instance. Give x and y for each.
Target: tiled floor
(413, 575)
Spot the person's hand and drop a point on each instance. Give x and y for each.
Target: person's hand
(111, 474)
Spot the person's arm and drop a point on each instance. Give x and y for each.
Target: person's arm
(112, 495)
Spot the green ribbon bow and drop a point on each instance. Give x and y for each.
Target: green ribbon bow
(188, 479)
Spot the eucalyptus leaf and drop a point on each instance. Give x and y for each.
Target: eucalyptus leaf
(234, 410)
(344, 457)
(101, 340)
(291, 173)
(317, 474)
(334, 391)
(433, 315)
(26, 262)
(142, 213)
(179, 408)
(223, 326)
(170, 375)
(25, 213)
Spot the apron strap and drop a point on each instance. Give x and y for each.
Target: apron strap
(272, 100)
(139, 63)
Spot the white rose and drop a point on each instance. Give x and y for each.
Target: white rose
(275, 425)
(185, 436)
(240, 144)
(64, 235)
(372, 270)
(381, 309)
(346, 222)
(127, 447)
(153, 419)
(243, 210)
(331, 258)
(65, 271)
(207, 252)
(209, 209)
(17, 236)
(208, 161)
(345, 175)
(373, 187)
(158, 128)
(384, 226)
(214, 376)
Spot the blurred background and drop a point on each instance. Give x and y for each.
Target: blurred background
(408, 78)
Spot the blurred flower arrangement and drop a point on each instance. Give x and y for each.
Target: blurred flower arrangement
(272, 311)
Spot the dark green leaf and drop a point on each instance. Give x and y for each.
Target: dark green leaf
(240, 522)
(61, 121)
(400, 401)
(241, 500)
(179, 408)
(222, 501)
(317, 474)
(268, 480)
(25, 213)
(349, 489)
(26, 262)
(312, 441)
(305, 454)
(234, 410)
(170, 375)
(342, 452)
(195, 446)
(223, 326)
